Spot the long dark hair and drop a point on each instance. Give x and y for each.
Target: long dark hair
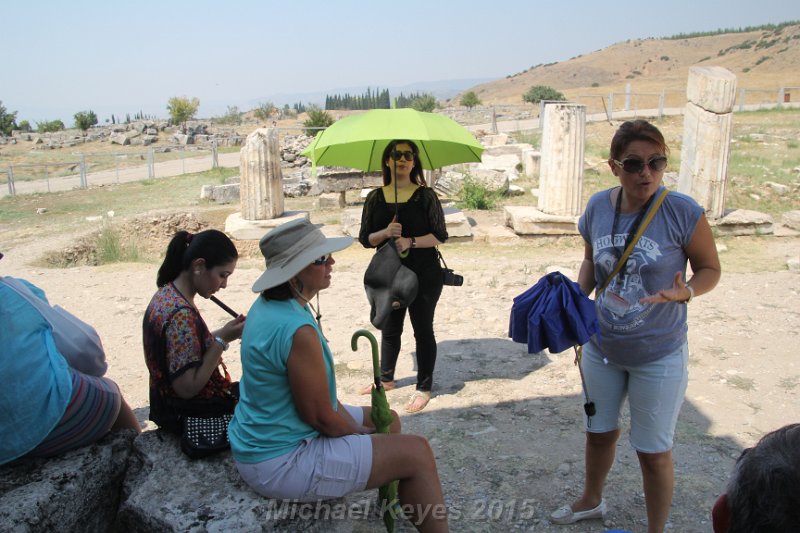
(636, 130)
(416, 172)
(212, 245)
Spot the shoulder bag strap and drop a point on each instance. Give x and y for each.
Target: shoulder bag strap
(629, 250)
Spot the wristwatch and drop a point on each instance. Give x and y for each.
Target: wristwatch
(413, 242)
(222, 343)
(691, 294)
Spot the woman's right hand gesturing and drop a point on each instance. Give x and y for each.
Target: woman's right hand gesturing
(232, 330)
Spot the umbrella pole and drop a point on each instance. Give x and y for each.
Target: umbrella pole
(588, 406)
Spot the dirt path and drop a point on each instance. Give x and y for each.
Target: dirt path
(506, 425)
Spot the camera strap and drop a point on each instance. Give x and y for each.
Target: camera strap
(441, 259)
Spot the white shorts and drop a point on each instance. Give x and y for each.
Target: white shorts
(318, 469)
(655, 394)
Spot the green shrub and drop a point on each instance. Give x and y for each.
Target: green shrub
(595, 84)
(426, 103)
(264, 111)
(25, 126)
(537, 93)
(474, 195)
(110, 249)
(231, 116)
(8, 121)
(47, 126)
(181, 109)
(317, 118)
(85, 120)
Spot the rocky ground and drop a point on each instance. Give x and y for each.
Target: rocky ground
(505, 425)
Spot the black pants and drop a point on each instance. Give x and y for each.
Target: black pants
(421, 312)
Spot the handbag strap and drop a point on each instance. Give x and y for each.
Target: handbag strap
(629, 250)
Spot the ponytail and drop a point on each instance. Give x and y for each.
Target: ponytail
(211, 245)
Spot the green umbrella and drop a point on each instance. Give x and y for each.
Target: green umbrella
(382, 418)
(358, 141)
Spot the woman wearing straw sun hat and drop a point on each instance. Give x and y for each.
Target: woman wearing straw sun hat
(290, 436)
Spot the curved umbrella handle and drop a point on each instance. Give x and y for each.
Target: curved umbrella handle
(404, 253)
(376, 365)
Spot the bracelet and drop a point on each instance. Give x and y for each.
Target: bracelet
(222, 343)
(691, 294)
(413, 242)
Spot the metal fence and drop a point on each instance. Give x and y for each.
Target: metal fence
(107, 168)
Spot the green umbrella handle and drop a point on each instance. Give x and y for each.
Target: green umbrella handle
(376, 365)
(402, 254)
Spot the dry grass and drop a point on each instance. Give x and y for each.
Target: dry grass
(656, 65)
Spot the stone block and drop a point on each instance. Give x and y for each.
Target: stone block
(791, 219)
(240, 229)
(457, 223)
(531, 163)
(351, 222)
(74, 492)
(530, 221)
(711, 88)
(221, 194)
(331, 200)
(164, 491)
(744, 222)
(498, 139)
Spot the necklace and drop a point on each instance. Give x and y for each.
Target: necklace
(318, 316)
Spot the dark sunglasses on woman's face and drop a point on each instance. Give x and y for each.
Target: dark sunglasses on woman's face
(321, 260)
(397, 155)
(634, 165)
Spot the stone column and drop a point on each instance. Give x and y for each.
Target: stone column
(261, 178)
(707, 124)
(561, 169)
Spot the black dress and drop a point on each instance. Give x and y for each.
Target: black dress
(420, 215)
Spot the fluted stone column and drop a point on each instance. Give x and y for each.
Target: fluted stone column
(707, 125)
(561, 170)
(261, 178)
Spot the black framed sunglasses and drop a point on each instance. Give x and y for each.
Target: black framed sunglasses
(321, 260)
(634, 165)
(396, 155)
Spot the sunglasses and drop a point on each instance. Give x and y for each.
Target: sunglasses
(321, 260)
(396, 155)
(634, 165)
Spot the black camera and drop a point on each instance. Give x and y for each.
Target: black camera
(451, 278)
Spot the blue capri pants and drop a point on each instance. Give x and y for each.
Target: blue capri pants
(655, 394)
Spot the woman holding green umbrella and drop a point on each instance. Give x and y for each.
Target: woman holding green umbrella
(409, 212)
(290, 436)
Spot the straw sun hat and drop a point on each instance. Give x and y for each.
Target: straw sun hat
(290, 248)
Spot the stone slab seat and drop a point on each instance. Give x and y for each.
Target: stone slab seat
(74, 492)
(164, 491)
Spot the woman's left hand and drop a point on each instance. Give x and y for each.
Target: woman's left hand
(402, 244)
(678, 293)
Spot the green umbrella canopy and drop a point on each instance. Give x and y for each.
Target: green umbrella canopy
(358, 141)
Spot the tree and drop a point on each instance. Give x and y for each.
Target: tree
(85, 120)
(25, 126)
(317, 118)
(264, 111)
(537, 93)
(470, 100)
(425, 102)
(181, 109)
(8, 121)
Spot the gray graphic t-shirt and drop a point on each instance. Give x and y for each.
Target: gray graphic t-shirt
(632, 333)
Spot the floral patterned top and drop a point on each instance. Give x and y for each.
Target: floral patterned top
(175, 338)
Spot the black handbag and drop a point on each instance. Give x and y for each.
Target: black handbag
(204, 436)
(389, 284)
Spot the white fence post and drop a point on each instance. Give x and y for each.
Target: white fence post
(11, 189)
(214, 158)
(47, 178)
(661, 105)
(84, 183)
(151, 171)
(741, 100)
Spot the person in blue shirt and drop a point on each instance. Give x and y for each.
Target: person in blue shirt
(47, 407)
(290, 436)
(641, 351)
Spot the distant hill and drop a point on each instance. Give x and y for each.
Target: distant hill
(761, 59)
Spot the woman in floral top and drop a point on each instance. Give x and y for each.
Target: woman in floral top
(182, 355)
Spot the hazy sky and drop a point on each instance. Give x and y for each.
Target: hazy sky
(60, 57)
